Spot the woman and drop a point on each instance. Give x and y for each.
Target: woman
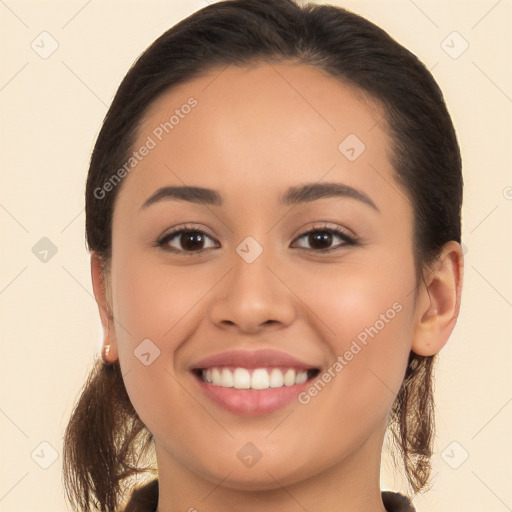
(273, 214)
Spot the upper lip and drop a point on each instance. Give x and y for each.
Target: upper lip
(252, 359)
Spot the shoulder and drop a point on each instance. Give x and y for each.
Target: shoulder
(395, 502)
(145, 499)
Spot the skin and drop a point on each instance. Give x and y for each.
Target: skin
(255, 132)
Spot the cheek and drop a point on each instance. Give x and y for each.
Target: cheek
(156, 312)
(152, 300)
(367, 320)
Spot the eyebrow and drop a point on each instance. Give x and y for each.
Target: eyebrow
(294, 195)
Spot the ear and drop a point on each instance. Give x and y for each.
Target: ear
(102, 293)
(438, 302)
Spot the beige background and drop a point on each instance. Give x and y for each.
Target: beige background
(52, 109)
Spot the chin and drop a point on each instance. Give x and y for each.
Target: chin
(264, 475)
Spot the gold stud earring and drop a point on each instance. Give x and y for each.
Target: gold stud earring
(105, 352)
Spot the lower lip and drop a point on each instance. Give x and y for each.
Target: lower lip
(249, 402)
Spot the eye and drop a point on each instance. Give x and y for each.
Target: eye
(190, 240)
(321, 238)
(186, 241)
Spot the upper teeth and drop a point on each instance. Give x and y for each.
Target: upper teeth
(260, 378)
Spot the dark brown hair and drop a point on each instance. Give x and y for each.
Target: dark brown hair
(106, 441)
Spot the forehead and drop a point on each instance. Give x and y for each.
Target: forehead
(261, 128)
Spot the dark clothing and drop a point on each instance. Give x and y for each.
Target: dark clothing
(145, 499)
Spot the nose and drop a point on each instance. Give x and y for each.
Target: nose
(254, 296)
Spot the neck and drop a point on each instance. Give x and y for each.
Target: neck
(349, 486)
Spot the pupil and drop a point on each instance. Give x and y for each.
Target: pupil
(193, 240)
(321, 236)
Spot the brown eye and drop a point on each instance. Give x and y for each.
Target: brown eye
(320, 240)
(186, 241)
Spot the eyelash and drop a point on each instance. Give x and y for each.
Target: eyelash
(163, 241)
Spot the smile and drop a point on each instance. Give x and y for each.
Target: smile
(255, 378)
(252, 383)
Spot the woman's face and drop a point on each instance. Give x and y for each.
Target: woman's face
(246, 297)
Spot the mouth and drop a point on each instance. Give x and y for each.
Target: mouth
(255, 379)
(253, 391)
(252, 383)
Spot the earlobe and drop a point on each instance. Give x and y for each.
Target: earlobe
(439, 302)
(102, 292)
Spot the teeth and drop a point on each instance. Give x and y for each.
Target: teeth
(301, 377)
(289, 377)
(276, 378)
(260, 378)
(241, 378)
(226, 379)
(216, 377)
